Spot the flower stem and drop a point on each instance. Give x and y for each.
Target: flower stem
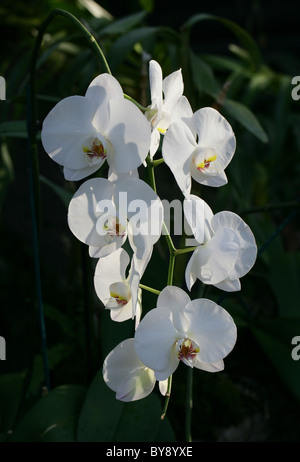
(171, 269)
(168, 394)
(150, 289)
(186, 250)
(142, 108)
(189, 405)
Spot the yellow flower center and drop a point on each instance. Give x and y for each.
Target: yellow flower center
(205, 163)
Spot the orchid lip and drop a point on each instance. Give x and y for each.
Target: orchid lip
(205, 160)
(95, 150)
(187, 350)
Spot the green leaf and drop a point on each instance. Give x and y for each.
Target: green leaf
(285, 284)
(120, 26)
(123, 45)
(10, 393)
(62, 193)
(203, 77)
(15, 129)
(105, 419)
(53, 418)
(245, 117)
(246, 40)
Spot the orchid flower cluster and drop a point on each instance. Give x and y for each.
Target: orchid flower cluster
(81, 133)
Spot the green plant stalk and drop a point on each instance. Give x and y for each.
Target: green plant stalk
(149, 289)
(189, 405)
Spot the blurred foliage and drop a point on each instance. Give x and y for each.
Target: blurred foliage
(257, 397)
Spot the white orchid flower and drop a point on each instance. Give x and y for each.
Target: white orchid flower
(198, 332)
(199, 147)
(167, 102)
(226, 248)
(124, 373)
(102, 214)
(119, 292)
(81, 132)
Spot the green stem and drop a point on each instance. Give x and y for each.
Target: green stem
(142, 108)
(168, 394)
(158, 162)
(150, 289)
(186, 250)
(189, 405)
(171, 269)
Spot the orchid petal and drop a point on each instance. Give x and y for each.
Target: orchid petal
(82, 211)
(155, 81)
(163, 386)
(178, 146)
(209, 367)
(155, 340)
(218, 256)
(198, 215)
(66, 127)
(212, 328)
(247, 245)
(215, 132)
(229, 285)
(108, 270)
(125, 374)
(129, 134)
(103, 88)
(172, 87)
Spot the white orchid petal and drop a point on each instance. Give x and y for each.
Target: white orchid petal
(65, 129)
(177, 149)
(138, 266)
(77, 175)
(155, 81)
(182, 109)
(198, 215)
(215, 132)
(172, 87)
(212, 328)
(155, 340)
(108, 270)
(191, 275)
(229, 285)
(154, 143)
(103, 88)
(247, 245)
(145, 212)
(82, 211)
(125, 374)
(172, 296)
(129, 133)
(163, 386)
(209, 367)
(123, 313)
(217, 258)
(103, 249)
(218, 179)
